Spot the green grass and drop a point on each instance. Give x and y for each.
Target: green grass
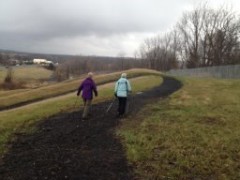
(194, 134)
(11, 98)
(22, 119)
(27, 73)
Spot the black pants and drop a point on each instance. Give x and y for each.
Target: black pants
(122, 102)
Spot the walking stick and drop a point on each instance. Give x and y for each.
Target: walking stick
(110, 105)
(75, 103)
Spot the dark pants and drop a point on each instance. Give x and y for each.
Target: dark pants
(122, 102)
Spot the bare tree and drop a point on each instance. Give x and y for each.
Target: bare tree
(190, 28)
(147, 52)
(121, 56)
(161, 52)
(208, 37)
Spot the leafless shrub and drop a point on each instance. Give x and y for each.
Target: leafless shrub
(9, 83)
(9, 76)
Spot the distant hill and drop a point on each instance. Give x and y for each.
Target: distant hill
(11, 54)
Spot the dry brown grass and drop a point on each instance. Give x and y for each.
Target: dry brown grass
(29, 95)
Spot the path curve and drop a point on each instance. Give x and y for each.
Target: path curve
(64, 147)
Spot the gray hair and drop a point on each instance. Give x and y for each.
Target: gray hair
(90, 74)
(124, 75)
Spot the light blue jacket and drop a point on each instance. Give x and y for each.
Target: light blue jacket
(122, 87)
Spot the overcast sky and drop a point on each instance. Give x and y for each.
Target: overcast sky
(89, 27)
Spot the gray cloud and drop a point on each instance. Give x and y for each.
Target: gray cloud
(86, 27)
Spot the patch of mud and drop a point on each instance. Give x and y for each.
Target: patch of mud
(65, 147)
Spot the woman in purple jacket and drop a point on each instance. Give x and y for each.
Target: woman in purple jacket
(87, 87)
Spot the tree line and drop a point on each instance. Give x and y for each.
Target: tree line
(202, 37)
(73, 65)
(77, 65)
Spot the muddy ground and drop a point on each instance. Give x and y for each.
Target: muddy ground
(65, 147)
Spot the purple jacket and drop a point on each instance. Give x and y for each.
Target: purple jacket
(87, 87)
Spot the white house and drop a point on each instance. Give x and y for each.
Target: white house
(41, 61)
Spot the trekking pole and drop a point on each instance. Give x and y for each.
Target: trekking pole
(110, 106)
(75, 103)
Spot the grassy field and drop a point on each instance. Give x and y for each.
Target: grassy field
(10, 98)
(21, 119)
(27, 73)
(193, 134)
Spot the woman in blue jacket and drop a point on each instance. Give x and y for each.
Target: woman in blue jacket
(122, 89)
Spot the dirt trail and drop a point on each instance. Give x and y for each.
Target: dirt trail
(64, 147)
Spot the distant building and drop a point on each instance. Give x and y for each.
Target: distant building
(42, 61)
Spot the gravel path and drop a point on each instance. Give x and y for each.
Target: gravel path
(65, 147)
